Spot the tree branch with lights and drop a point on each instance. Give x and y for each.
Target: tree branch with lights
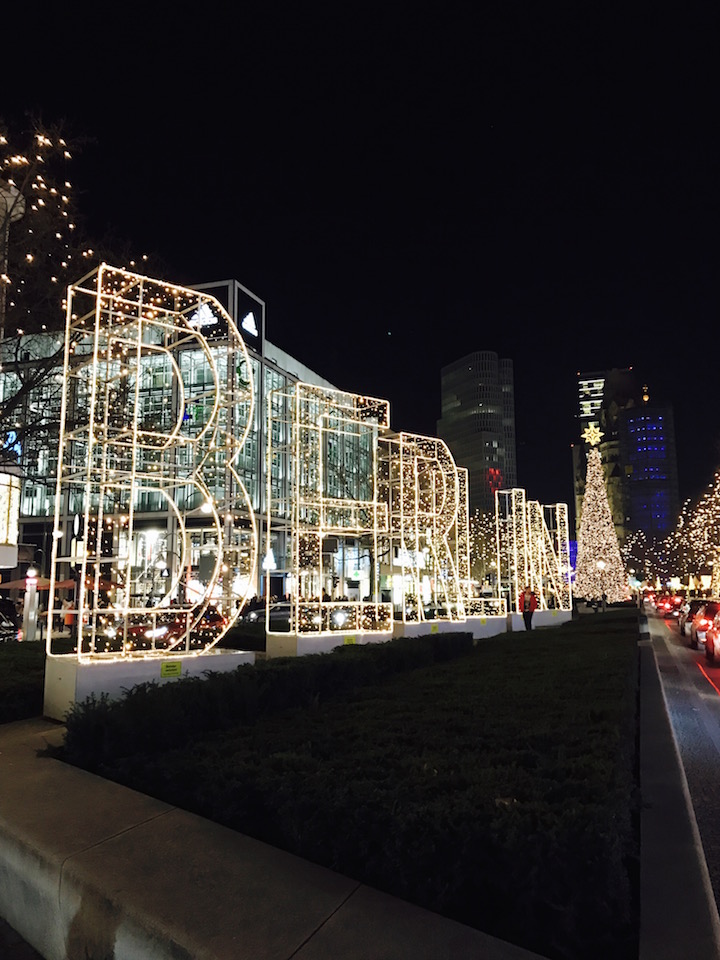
(43, 248)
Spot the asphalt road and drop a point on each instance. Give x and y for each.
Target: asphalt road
(692, 693)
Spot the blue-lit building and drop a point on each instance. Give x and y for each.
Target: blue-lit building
(647, 448)
(637, 449)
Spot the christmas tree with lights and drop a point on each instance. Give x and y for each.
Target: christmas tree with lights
(599, 569)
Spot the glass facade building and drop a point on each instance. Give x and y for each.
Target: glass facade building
(478, 423)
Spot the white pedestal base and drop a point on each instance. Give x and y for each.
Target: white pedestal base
(479, 627)
(293, 645)
(542, 618)
(68, 682)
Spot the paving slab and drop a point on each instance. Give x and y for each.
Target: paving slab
(374, 926)
(208, 889)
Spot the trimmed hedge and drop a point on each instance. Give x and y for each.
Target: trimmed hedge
(499, 789)
(22, 671)
(158, 717)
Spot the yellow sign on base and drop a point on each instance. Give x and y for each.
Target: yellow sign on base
(171, 668)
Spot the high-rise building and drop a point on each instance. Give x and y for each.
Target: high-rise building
(637, 449)
(647, 447)
(478, 423)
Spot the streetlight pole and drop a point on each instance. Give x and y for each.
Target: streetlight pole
(30, 604)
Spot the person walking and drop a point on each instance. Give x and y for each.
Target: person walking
(527, 605)
(68, 615)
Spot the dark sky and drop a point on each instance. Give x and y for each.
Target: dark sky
(403, 184)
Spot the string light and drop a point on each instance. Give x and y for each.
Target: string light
(398, 499)
(122, 445)
(37, 202)
(533, 548)
(599, 568)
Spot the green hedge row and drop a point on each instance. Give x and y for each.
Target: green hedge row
(498, 789)
(152, 717)
(22, 669)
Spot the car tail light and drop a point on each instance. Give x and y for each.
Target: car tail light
(704, 623)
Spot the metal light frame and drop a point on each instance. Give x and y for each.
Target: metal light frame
(124, 437)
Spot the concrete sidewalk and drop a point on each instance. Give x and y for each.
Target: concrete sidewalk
(91, 870)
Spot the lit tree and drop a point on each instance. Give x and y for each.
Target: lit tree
(637, 555)
(42, 250)
(599, 568)
(698, 534)
(702, 530)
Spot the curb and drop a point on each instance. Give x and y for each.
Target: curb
(678, 913)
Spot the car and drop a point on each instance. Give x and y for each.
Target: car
(436, 612)
(676, 602)
(701, 621)
(8, 630)
(670, 604)
(663, 606)
(712, 639)
(279, 617)
(254, 612)
(687, 614)
(169, 625)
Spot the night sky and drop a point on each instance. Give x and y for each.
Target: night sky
(404, 184)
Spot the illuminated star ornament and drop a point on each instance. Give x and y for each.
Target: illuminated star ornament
(592, 435)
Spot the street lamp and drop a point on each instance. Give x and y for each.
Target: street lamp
(30, 604)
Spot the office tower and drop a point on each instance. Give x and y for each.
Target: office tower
(637, 449)
(478, 423)
(647, 447)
